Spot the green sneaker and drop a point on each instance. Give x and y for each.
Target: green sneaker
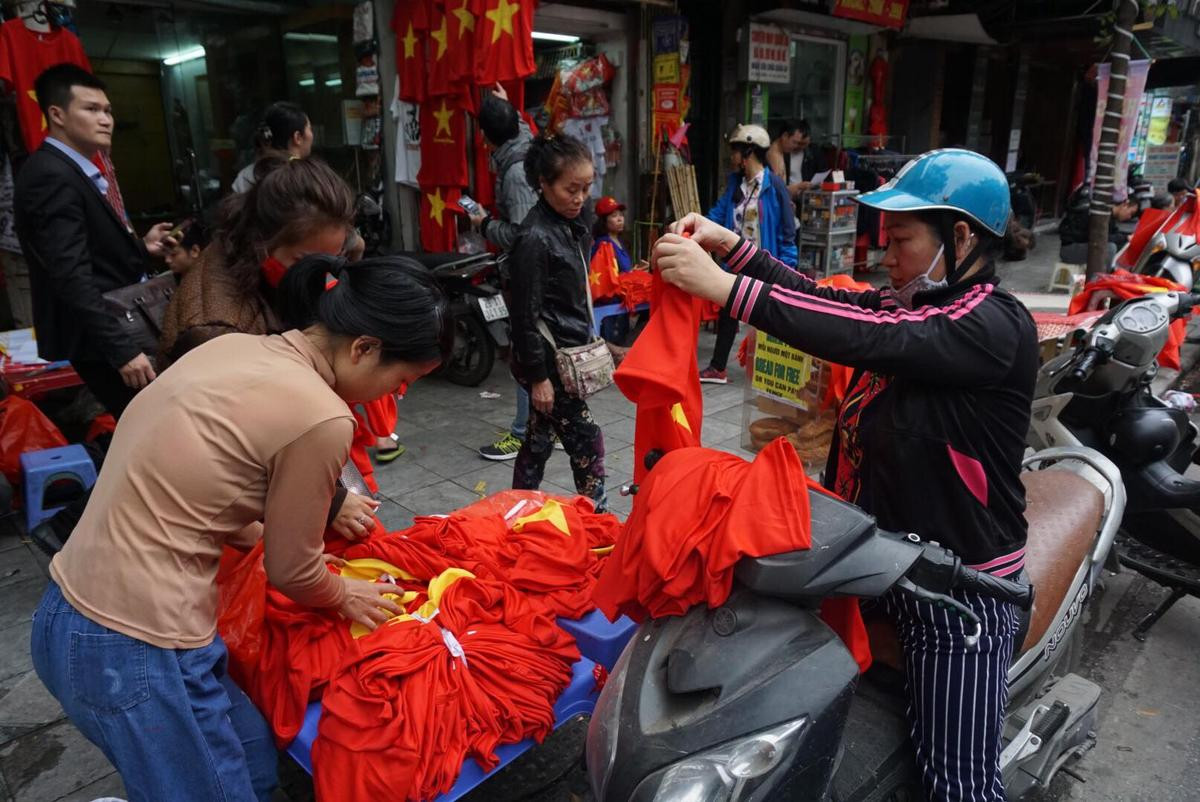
(504, 449)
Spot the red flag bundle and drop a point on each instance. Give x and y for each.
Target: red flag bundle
(659, 375)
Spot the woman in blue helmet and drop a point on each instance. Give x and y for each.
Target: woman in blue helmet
(931, 433)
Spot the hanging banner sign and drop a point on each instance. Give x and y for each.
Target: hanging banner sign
(1135, 86)
(666, 68)
(888, 13)
(768, 56)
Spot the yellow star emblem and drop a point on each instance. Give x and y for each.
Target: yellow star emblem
(552, 512)
(466, 20)
(680, 417)
(440, 36)
(502, 17)
(443, 116)
(33, 97)
(436, 206)
(410, 42)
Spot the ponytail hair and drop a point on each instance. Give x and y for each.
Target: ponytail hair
(549, 155)
(281, 122)
(391, 298)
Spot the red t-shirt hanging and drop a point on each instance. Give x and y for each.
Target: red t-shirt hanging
(439, 218)
(443, 143)
(503, 40)
(460, 29)
(24, 54)
(410, 22)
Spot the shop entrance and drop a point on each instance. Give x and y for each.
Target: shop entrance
(816, 90)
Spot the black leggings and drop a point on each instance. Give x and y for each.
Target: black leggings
(581, 437)
(727, 329)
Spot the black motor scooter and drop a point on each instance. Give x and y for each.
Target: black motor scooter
(1097, 394)
(472, 283)
(760, 700)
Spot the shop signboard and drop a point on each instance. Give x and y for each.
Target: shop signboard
(888, 13)
(1162, 164)
(780, 371)
(1160, 120)
(768, 56)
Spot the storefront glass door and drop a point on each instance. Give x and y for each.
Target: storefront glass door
(817, 87)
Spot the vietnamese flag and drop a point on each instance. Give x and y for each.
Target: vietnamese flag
(443, 143)
(659, 375)
(439, 218)
(603, 271)
(410, 23)
(503, 40)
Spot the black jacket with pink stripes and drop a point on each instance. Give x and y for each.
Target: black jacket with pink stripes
(942, 444)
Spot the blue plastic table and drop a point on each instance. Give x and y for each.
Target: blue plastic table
(600, 641)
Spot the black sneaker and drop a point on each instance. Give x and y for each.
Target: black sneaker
(502, 450)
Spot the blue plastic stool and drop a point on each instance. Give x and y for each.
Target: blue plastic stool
(42, 468)
(608, 310)
(599, 639)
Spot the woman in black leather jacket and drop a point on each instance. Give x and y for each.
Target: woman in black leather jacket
(549, 285)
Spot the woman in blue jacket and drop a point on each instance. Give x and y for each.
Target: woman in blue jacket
(756, 205)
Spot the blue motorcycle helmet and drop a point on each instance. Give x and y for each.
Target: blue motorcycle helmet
(960, 182)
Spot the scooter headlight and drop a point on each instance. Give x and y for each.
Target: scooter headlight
(601, 749)
(729, 773)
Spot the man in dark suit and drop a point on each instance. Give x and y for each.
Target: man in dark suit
(77, 244)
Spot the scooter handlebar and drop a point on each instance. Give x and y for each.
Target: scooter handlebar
(995, 587)
(1087, 363)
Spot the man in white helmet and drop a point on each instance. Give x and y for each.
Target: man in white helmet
(756, 205)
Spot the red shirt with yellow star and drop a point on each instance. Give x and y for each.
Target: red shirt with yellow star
(24, 54)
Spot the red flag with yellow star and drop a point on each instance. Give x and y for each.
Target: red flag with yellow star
(410, 22)
(503, 40)
(441, 48)
(659, 375)
(439, 218)
(460, 16)
(443, 143)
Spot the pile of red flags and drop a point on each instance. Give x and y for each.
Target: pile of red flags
(445, 51)
(476, 661)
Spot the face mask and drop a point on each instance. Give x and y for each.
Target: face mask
(922, 283)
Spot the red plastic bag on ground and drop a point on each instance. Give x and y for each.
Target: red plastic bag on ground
(242, 583)
(23, 428)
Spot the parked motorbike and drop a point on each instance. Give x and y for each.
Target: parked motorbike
(472, 283)
(1098, 395)
(1171, 254)
(760, 700)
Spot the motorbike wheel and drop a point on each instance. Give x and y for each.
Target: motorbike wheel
(474, 352)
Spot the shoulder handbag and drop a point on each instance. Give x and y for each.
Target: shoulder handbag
(139, 310)
(584, 369)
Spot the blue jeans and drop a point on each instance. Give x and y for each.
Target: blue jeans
(170, 720)
(521, 423)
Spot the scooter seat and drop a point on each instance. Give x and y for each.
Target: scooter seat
(1064, 511)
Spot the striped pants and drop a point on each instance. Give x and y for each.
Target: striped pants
(957, 698)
